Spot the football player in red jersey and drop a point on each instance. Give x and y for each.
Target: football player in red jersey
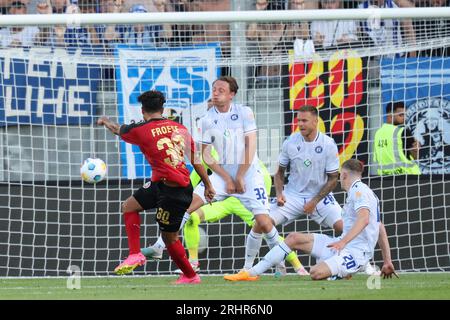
(164, 144)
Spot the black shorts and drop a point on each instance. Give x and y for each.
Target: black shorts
(170, 202)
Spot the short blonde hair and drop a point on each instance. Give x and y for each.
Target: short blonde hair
(353, 165)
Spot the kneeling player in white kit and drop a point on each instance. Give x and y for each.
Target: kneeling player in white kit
(342, 256)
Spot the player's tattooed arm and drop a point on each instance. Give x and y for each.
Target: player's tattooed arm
(329, 186)
(110, 125)
(326, 189)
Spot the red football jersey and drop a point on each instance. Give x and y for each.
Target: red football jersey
(164, 144)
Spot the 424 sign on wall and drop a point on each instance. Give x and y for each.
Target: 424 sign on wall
(338, 88)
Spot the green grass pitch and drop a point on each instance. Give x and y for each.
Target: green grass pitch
(408, 286)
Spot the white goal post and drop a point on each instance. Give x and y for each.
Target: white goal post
(59, 72)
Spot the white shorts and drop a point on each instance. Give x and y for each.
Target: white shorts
(326, 214)
(341, 264)
(255, 197)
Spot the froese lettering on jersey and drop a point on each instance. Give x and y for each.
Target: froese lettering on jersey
(163, 130)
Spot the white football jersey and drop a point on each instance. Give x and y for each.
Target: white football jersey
(226, 132)
(361, 196)
(310, 162)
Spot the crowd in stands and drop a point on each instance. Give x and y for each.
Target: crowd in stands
(155, 35)
(268, 39)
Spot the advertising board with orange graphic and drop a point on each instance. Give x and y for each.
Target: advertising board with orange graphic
(338, 88)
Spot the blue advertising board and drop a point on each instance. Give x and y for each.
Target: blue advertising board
(47, 88)
(184, 75)
(423, 84)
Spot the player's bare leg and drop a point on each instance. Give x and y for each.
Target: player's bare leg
(130, 210)
(278, 253)
(196, 203)
(338, 227)
(263, 224)
(292, 258)
(300, 241)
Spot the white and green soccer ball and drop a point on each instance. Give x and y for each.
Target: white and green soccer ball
(93, 170)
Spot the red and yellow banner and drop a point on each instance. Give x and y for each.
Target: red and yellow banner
(338, 88)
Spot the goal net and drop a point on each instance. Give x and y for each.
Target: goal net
(60, 72)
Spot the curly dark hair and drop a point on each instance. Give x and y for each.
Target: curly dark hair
(152, 101)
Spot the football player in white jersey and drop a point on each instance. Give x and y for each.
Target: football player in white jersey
(231, 129)
(342, 256)
(314, 168)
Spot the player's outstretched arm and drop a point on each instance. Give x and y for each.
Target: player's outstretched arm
(110, 125)
(200, 169)
(388, 268)
(361, 222)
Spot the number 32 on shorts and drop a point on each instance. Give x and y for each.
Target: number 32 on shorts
(260, 194)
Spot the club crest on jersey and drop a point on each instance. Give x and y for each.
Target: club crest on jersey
(319, 149)
(307, 162)
(234, 117)
(147, 185)
(215, 121)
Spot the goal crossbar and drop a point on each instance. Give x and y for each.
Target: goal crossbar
(224, 16)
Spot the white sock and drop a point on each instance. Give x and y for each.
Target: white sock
(252, 246)
(273, 238)
(159, 244)
(186, 217)
(276, 255)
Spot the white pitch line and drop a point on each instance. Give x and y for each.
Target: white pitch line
(165, 286)
(275, 283)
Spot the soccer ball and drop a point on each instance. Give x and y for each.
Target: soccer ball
(93, 170)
